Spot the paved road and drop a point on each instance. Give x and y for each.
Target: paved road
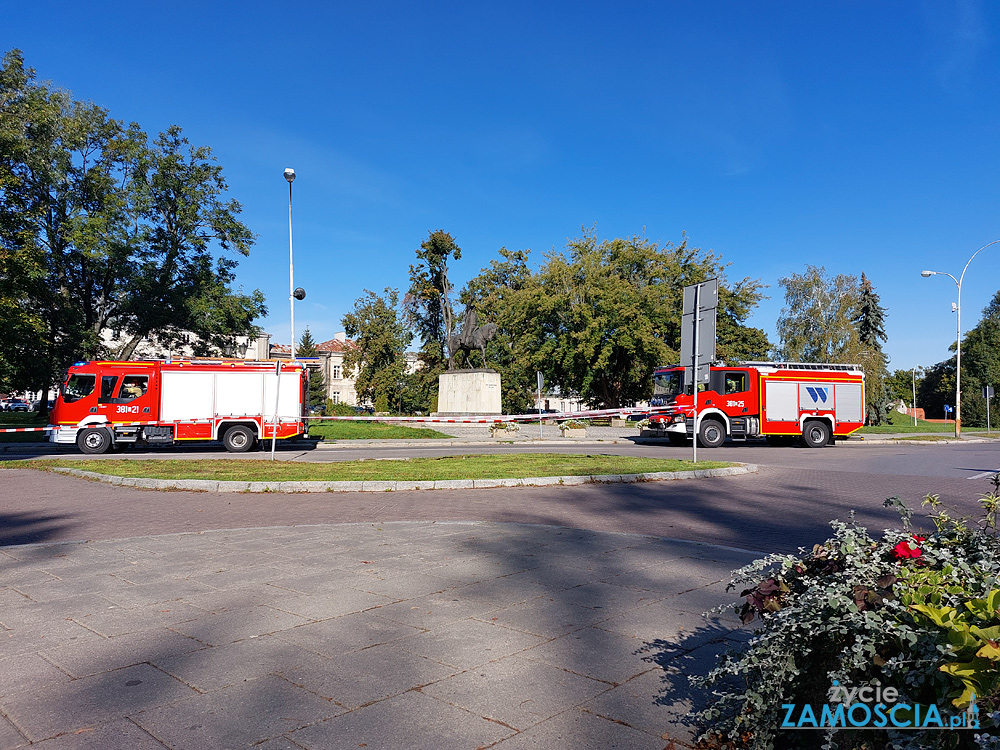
(298, 629)
(787, 504)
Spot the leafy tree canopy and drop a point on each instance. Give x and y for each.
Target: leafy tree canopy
(817, 323)
(599, 317)
(379, 361)
(427, 304)
(102, 230)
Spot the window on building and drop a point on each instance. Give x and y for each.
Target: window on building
(335, 372)
(335, 397)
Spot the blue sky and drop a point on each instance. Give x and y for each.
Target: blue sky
(860, 136)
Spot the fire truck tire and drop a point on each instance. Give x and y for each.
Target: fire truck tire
(711, 434)
(239, 439)
(94, 440)
(815, 434)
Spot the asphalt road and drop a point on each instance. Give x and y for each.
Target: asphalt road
(788, 504)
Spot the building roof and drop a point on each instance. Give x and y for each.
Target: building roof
(336, 345)
(333, 345)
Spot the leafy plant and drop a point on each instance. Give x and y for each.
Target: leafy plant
(913, 610)
(972, 637)
(504, 427)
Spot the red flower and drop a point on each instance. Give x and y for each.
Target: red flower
(908, 549)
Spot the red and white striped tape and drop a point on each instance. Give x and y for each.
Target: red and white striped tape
(484, 419)
(474, 419)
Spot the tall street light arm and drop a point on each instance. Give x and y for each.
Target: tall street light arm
(958, 338)
(290, 176)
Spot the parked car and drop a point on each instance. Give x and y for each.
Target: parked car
(18, 405)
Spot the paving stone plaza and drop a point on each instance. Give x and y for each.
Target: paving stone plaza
(400, 635)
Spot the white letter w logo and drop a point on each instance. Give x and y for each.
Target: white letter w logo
(817, 394)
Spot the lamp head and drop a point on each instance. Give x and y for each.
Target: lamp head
(925, 274)
(299, 293)
(290, 175)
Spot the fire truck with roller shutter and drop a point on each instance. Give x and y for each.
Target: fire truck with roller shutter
(814, 403)
(102, 406)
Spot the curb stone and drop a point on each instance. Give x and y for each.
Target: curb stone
(207, 485)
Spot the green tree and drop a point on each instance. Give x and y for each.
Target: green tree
(179, 284)
(100, 230)
(493, 295)
(871, 334)
(981, 366)
(428, 312)
(381, 336)
(65, 246)
(937, 389)
(317, 381)
(817, 323)
(899, 385)
(427, 304)
(597, 319)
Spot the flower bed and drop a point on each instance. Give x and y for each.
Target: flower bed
(869, 643)
(504, 429)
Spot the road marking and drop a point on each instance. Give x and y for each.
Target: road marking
(984, 474)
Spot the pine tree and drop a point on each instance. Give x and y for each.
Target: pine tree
(317, 382)
(870, 323)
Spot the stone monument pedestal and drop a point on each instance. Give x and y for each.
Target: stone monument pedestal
(465, 393)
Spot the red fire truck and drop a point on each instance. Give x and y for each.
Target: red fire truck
(778, 400)
(107, 405)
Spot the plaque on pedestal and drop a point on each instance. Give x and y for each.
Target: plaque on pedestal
(465, 393)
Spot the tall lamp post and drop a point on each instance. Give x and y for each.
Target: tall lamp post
(958, 339)
(290, 176)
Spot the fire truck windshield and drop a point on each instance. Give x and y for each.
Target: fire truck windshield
(79, 386)
(668, 384)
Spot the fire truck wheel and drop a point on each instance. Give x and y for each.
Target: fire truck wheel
(239, 439)
(94, 440)
(816, 434)
(711, 434)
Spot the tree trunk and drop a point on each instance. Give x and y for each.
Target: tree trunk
(128, 350)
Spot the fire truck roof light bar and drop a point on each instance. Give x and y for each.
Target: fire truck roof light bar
(805, 365)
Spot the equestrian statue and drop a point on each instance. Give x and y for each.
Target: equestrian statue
(472, 336)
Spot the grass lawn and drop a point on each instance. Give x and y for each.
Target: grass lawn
(369, 431)
(500, 466)
(323, 430)
(901, 423)
(22, 419)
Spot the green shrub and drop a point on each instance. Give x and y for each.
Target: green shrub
(911, 612)
(340, 409)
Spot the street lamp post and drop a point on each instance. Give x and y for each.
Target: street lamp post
(914, 373)
(290, 176)
(958, 340)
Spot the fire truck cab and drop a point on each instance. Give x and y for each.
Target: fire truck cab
(814, 403)
(106, 405)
